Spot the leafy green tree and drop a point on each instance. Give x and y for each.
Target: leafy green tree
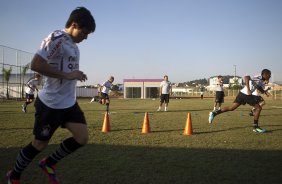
(7, 74)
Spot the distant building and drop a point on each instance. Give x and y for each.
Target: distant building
(141, 88)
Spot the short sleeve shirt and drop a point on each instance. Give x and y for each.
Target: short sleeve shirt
(106, 87)
(254, 83)
(166, 86)
(61, 53)
(31, 86)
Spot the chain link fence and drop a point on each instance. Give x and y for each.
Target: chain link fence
(14, 72)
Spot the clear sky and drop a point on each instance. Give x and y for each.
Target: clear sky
(185, 39)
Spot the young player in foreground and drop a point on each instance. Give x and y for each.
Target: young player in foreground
(246, 96)
(58, 61)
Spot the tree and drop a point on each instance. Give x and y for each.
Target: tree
(7, 74)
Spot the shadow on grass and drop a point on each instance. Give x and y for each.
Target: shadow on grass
(18, 128)
(118, 164)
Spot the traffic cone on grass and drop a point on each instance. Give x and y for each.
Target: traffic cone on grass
(146, 127)
(188, 128)
(106, 125)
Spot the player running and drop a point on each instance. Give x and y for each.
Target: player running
(246, 96)
(104, 93)
(31, 86)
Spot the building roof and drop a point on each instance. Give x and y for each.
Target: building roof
(142, 80)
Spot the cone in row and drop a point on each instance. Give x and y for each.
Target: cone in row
(188, 130)
(146, 126)
(106, 125)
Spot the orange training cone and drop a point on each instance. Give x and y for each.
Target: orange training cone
(146, 127)
(106, 124)
(188, 128)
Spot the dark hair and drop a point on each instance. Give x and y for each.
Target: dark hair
(83, 18)
(265, 71)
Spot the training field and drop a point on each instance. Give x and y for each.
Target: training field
(226, 151)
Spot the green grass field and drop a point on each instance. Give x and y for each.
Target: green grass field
(226, 151)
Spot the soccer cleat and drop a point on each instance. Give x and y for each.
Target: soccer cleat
(10, 180)
(92, 100)
(158, 109)
(49, 171)
(23, 108)
(259, 130)
(211, 117)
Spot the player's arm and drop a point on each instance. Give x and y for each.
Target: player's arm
(41, 66)
(266, 92)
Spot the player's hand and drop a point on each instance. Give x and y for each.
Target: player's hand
(78, 75)
(249, 92)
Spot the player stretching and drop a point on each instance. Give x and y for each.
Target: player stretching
(246, 96)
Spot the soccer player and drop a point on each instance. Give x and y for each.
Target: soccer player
(31, 86)
(246, 96)
(104, 93)
(219, 93)
(58, 61)
(165, 91)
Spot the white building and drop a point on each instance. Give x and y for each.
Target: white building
(141, 88)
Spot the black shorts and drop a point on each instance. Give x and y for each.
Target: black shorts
(29, 96)
(249, 99)
(47, 120)
(219, 96)
(105, 96)
(164, 98)
(259, 99)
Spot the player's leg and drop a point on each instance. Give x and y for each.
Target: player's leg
(79, 138)
(215, 105)
(25, 103)
(161, 102)
(25, 156)
(262, 102)
(75, 122)
(256, 127)
(107, 104)
(232, 107)
(166, 100)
